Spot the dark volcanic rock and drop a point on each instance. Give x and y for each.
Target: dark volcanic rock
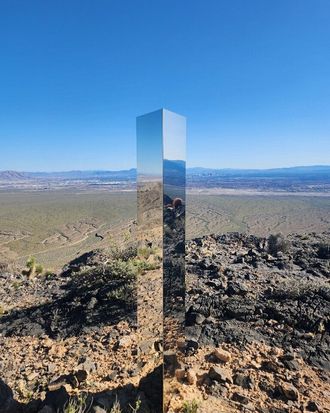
(284, 301)
(97, 296)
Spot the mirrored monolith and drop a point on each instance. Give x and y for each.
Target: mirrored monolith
(161, 139)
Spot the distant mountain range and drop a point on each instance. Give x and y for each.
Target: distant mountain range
(130, 174)
(290, 171)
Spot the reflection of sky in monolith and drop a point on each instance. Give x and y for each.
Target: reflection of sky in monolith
(174, 134)
(150, 144)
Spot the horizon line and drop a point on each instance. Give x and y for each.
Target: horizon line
(189, 167)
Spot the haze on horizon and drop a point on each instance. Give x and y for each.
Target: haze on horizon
(255, 93)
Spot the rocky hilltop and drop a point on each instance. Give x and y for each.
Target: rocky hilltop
(258, 320)
(257, 330)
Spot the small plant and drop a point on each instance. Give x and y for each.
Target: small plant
(190, 406)
(16, 285)
(76, 404)
(31, 265)
(137, 406)
(127, 236)
(39, 269)
(115, 408)
(124, 254)
(277, 243)
(142, 266)
(48, 273)
(145, 252)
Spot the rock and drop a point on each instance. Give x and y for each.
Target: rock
(194, 318)
(81, 375)
(243, 381)
(222, 355)
(146, 346)
(270, 366)
(289, 392)
(63, 380)
(191, 346)
(191, 377)
(180, 374)
(98, 409)
(51, 367)
(289, 362)
(312, 406)
(220, 375)
(87, 364)
(240, 398)
(235, 288)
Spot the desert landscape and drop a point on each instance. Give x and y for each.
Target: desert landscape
(73, 268)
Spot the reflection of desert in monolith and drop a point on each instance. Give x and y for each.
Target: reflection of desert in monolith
(174, 204)
(150, 319)
(174, 288)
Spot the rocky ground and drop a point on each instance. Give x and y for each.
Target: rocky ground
(258, 320)
(257, 331)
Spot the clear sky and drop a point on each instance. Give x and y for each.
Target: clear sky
(251, 76)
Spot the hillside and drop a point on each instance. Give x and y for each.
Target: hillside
(257, 329)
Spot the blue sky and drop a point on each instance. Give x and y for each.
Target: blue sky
(252, 78)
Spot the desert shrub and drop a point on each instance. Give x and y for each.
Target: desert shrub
(323, 251)
(277, 243)
(39, 269)
(124, 254)
(120, 269)
(76, 404)
(190, 406)
(115, 408)
(145, 252)
(48, 273)
(31, 265)
(299, 290)
(142, 266)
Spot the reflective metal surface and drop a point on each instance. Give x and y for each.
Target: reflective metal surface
(161, 139)
(150, 248)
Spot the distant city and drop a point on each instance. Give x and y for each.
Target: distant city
(299, 179)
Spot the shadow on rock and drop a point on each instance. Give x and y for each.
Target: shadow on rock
(147, 396)
(95, 297)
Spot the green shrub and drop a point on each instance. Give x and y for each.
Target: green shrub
(39, 269)
(145, 252)
(124, 254)
(142, 266)
(31, 265)
(190, 406)
(76, 404)
(277, 243)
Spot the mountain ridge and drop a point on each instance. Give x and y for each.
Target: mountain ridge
(11, 175)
